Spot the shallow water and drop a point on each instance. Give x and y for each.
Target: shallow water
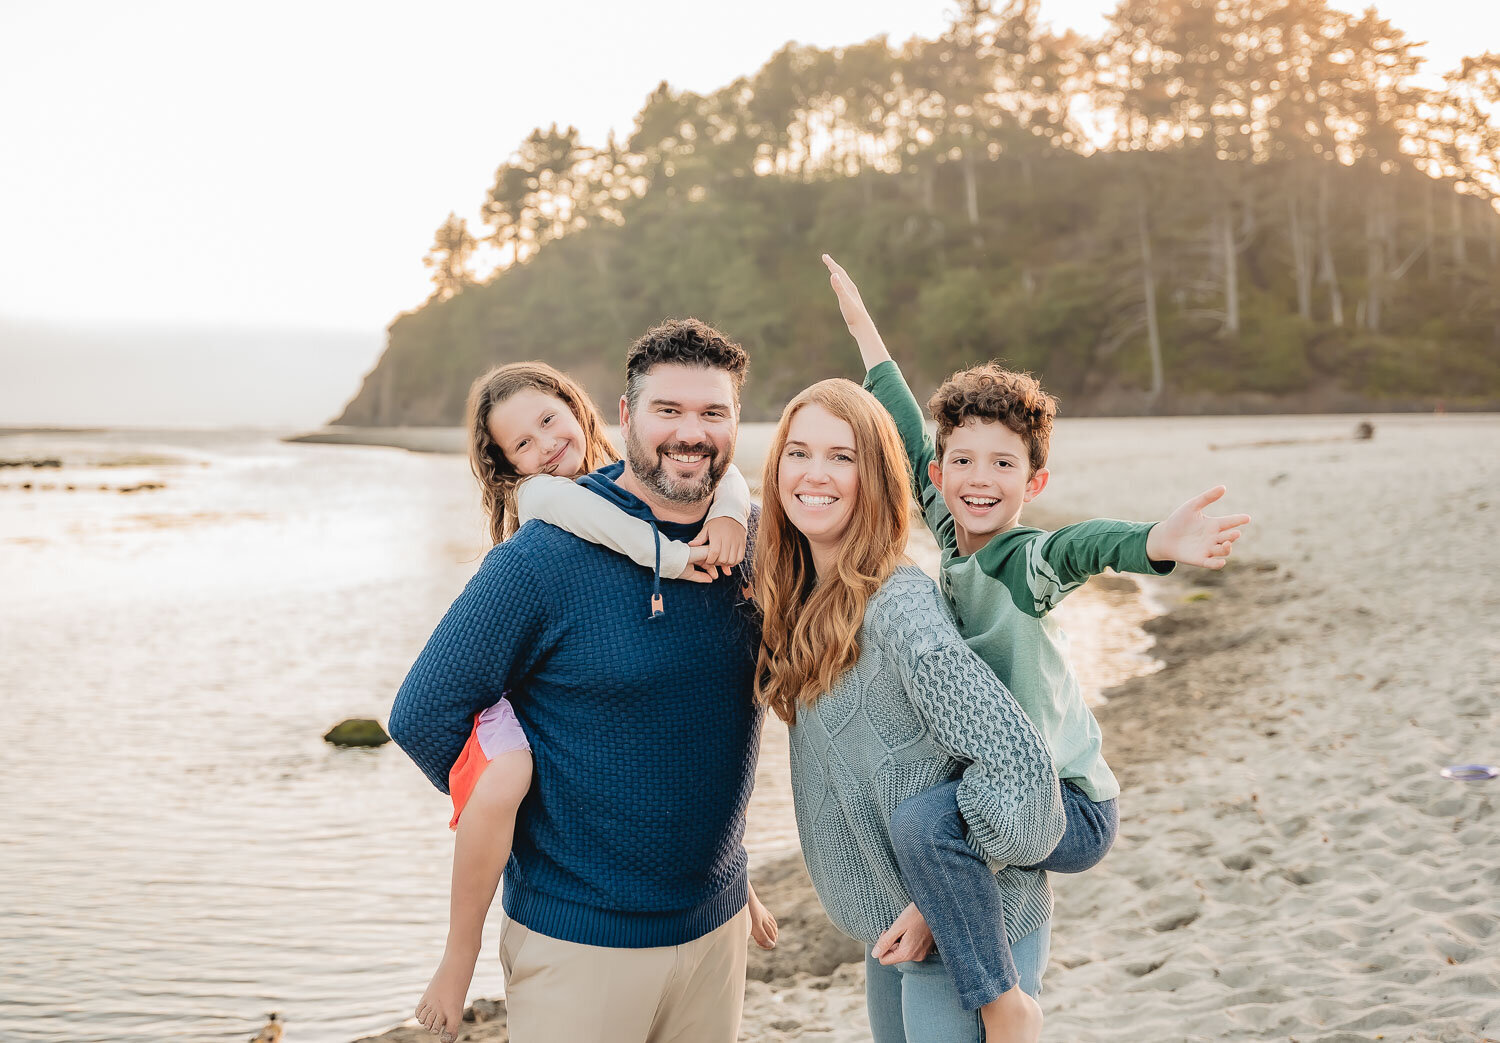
(182, 851)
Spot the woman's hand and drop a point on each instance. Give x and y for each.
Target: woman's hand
(907, 940)
(718, 548)
(762, 924)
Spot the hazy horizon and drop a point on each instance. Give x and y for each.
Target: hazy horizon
(194, 375)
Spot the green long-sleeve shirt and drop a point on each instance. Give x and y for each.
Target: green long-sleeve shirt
(1002, 594)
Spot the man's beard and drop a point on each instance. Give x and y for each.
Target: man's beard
(651, 471)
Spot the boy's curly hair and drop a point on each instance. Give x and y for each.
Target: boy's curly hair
(686, 342)
(992, 392)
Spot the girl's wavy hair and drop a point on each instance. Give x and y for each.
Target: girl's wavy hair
(810, 634)
(497, 478)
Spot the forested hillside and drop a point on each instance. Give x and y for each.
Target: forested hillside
(1217, 205)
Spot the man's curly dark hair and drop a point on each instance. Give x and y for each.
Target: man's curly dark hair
(992, 392)
(684, 342)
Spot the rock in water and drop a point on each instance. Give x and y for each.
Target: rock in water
(357, 731)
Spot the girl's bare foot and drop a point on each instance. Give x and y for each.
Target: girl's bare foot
(1013, 1017)
(441, 1009)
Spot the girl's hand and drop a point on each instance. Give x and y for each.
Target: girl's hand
(718, 548)
(1190, 537)
(762, 924)
(905, 941)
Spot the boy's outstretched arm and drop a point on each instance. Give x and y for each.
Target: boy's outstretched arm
(884, 380)
(1041, 568)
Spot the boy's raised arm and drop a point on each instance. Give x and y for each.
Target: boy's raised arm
(888, 385)
(883, 378)
(872, 349)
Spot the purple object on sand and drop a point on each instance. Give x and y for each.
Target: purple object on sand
(1470, 772)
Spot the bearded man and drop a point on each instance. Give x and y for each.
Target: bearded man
(625, 893)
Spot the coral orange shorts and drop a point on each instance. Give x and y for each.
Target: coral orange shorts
(496, 731)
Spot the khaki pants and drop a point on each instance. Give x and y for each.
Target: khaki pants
(563, 992)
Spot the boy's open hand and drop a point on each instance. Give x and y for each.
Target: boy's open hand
(717, 549)
(850, 303)
(908, 939)
(1190, 537)
(856, 317)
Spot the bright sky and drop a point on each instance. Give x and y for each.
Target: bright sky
(285, 163)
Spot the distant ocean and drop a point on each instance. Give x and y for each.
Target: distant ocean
(182, 852)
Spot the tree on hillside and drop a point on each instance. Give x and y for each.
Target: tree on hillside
(449, 258)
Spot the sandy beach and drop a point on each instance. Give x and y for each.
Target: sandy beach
(1291, 864)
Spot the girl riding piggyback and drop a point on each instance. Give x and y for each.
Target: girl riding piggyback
(532, 431)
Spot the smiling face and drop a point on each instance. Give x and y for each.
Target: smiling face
(985, 477)
(679, 437)
(817, 479)
(538, 434)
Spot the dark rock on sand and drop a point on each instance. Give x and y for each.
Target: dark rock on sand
(357, 731)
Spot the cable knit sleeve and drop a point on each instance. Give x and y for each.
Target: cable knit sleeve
(493, 633)
(1009, 794)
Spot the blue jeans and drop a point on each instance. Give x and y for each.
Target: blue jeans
(955, 889)
(918, 1002)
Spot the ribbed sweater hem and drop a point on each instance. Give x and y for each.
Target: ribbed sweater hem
(620, 929)
(1024, 914)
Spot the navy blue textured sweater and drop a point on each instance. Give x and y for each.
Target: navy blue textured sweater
(644, 732)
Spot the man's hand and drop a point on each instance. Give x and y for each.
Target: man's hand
(906, 940)
(856, 317)
(762, 924)
(1190, 537)
(717, 549)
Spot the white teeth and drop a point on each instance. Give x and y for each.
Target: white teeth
(816, 501)
(980, 501)
(685, 459)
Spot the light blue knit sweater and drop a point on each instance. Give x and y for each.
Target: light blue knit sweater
(917, 709)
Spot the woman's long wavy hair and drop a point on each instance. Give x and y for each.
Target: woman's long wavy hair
(497, 478)
(810, 633)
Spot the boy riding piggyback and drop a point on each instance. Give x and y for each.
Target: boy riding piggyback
(1002, 580)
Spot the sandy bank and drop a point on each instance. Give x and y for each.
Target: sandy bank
(415, 439)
